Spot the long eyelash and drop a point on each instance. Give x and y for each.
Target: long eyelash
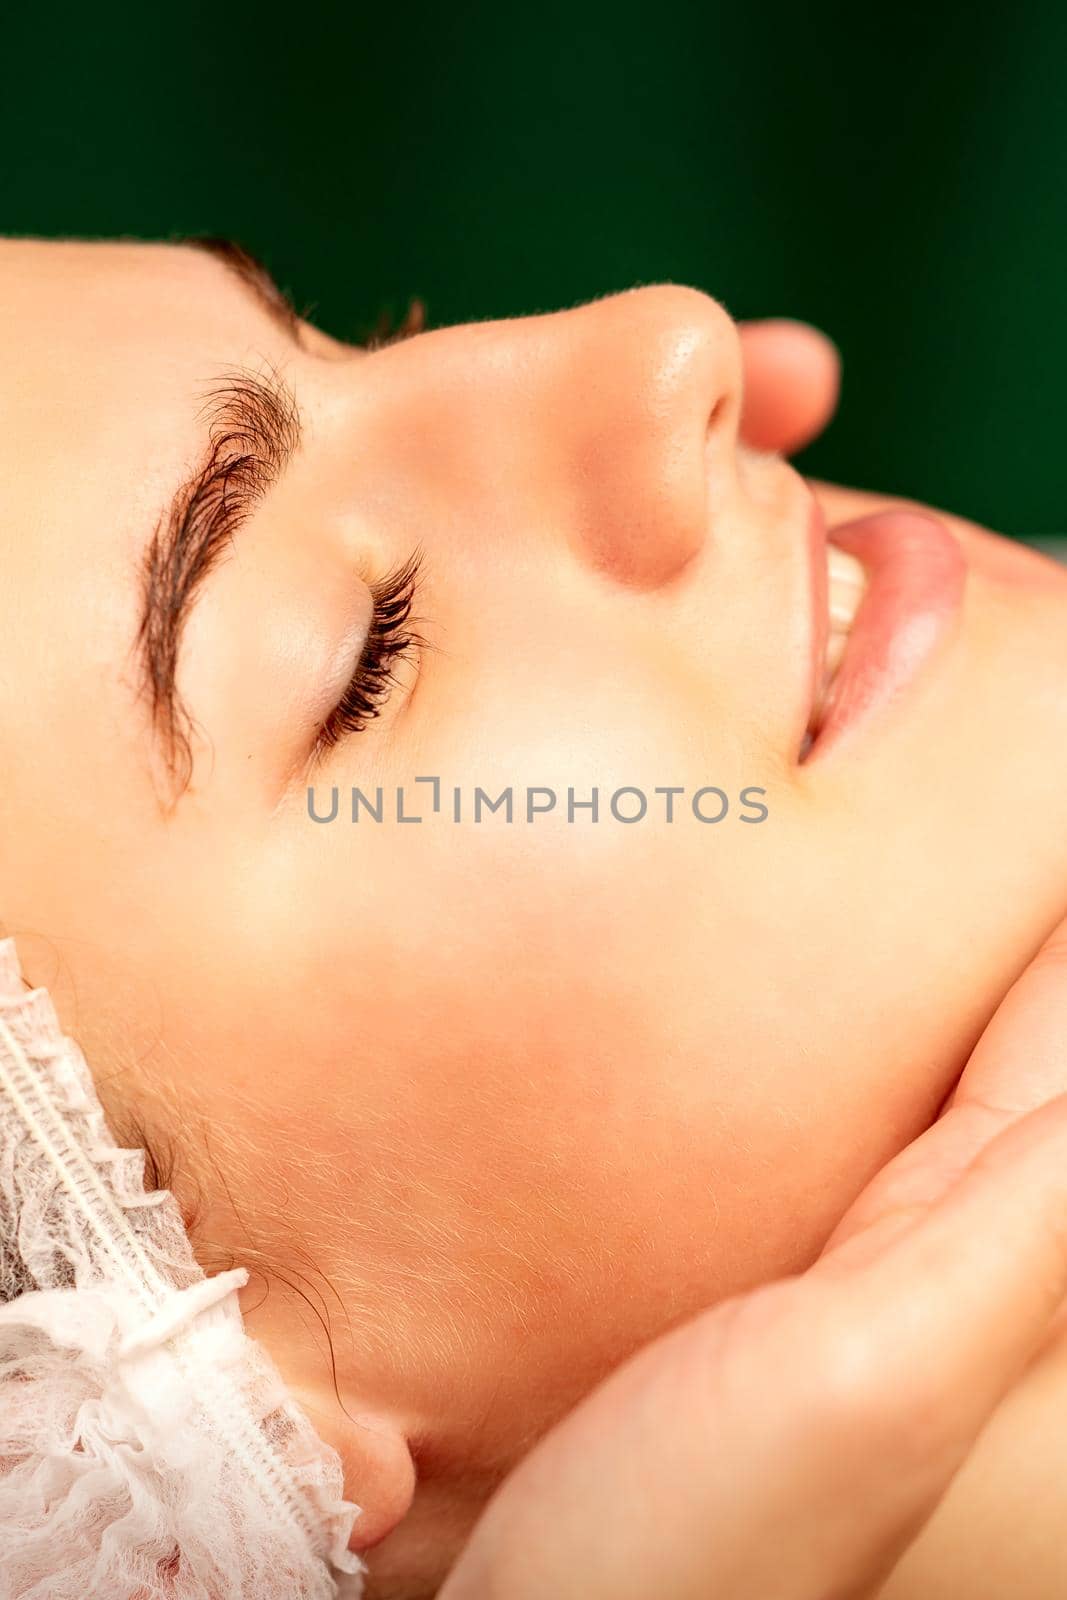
(389, 639)
(383, 335)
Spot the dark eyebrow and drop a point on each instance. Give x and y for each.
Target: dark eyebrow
(250, 271)
(253, 427)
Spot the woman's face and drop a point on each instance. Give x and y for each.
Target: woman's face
(527, 1091)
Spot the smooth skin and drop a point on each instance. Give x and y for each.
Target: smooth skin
(792, 1443)
(504, 1105)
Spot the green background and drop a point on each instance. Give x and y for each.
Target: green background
(902, 181)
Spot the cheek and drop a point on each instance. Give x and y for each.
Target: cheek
(533, 1096)
(555, 1089)
(516, 1079)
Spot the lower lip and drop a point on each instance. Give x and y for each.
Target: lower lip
(916, 573)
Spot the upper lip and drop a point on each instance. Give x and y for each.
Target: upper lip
(915, 577)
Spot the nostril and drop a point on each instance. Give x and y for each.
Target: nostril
(646, 407)
(717, 412)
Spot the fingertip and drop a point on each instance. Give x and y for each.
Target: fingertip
(792, 382)
(803, 336)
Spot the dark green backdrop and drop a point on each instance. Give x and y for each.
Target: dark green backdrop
(901, 182)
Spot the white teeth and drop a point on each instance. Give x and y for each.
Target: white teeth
(847, 583)
(845, 589)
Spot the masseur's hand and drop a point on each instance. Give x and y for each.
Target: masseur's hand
(791, 378)
(790, 1443)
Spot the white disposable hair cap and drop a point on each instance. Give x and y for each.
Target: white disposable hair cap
(149, 1448)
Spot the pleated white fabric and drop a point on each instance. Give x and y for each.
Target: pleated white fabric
(149, 1448)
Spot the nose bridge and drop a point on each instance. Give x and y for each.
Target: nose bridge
(649, 406)
(610, 427)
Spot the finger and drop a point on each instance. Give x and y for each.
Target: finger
(1021, 1059)
(1019, 1063)
(926, 1335)
(792, 378)
(793, 1442)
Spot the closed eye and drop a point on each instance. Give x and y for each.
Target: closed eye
(391, 638)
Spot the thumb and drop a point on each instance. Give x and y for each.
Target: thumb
(792, 378)
(792, 1442)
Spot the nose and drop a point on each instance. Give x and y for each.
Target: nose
(611, 428)
(648, 400)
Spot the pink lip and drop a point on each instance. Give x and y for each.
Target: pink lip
(916, 574)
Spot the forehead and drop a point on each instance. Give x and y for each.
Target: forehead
(126, 293)
(106, 351)
(102, 341)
